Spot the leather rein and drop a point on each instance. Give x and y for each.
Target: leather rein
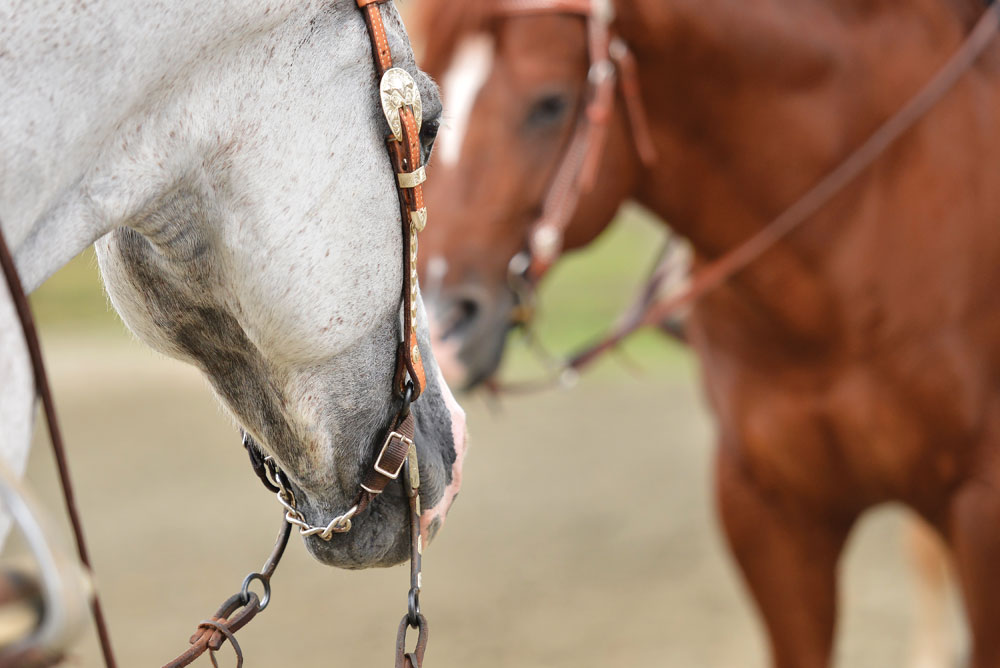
(401, 104)
(649, 311)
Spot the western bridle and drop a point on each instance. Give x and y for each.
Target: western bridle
(401, 104)
(650, 310)
(612, 69)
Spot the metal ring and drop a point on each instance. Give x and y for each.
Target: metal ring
(407, 399)
(518, 265)
(272, 471)
(600, 71)
(245, 590)
(413, 608)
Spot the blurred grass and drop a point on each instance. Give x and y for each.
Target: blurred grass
(73, 301)
(587, 292)
(579, 300)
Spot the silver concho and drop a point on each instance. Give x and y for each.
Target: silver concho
(399, 90)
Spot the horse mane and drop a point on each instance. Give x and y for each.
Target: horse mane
(438, 26)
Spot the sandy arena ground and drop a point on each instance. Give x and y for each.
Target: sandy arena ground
(588, 562)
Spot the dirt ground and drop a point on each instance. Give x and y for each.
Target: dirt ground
(590, 561)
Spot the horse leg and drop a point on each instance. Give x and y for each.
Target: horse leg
(933, 645)
(975, 540)
(789, 560)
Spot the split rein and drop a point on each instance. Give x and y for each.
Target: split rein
(401, 104)
(647, 311)
(240, 608)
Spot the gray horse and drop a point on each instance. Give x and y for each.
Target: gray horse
(228, 160)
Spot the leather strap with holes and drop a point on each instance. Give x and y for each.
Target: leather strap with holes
(407, 163)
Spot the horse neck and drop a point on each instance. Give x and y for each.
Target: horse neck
(76, 90)
(752, 103)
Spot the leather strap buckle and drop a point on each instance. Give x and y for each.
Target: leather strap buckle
(412, 179)
(380, 467)
(398, 90)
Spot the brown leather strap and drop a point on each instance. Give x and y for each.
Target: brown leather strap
(628, 73)
(611, 62)
(414, 659)
(723, 268)
(376, 29)
(389, 462)
(233, 615)
(44, 392)
(658, 312)
(577, 170)
(406, 159)
(237, 610)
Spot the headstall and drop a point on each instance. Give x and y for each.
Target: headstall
(612, 67)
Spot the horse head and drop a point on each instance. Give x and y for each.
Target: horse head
(236, 180)
(516, 87)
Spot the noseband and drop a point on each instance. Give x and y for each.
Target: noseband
(401, 104)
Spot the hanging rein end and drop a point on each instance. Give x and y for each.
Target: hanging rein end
(413, 617)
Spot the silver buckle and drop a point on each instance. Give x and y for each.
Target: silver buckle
(399, 90)
(412, 179)
(392, 475)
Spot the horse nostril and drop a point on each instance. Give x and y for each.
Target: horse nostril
(468, 308)
(462, 315)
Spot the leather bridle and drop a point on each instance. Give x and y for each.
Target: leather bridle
(652, 312)
(612, 68)
(401, 104)
(403, 110)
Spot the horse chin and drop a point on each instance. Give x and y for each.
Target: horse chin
(379, 537)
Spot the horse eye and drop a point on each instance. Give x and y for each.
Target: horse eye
(547, 110)
(428, 133)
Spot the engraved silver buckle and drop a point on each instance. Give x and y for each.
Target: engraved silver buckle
(399, 90)
(412, 179)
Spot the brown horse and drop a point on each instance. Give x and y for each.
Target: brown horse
(857, 361)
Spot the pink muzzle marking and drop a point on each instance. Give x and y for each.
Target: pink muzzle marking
(459, 435)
